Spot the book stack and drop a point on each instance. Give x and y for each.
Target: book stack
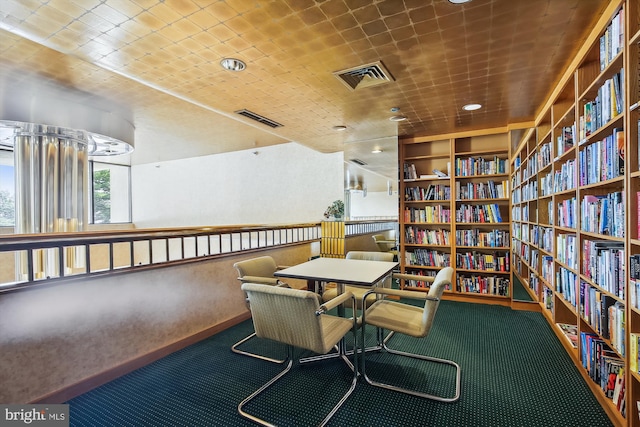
(605, 368)
(570, 332)
(602, 160)
(603, 214)
(604, 264)
(566, 281)
(491, 285)
(415, 235)
(428, 258)
(478, 213)
(634, 281)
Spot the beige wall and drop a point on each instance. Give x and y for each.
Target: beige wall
(56, 336)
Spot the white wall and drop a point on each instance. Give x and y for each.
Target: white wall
(375, 204)
(286, 183)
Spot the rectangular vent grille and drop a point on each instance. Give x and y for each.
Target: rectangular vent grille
(364, 76)
(357, 162)
(258, 118)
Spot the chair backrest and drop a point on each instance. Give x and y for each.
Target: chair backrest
(442, 279)
(286, 315)
(263, 266)
(373, 256)
(370, 256)
(383, 246)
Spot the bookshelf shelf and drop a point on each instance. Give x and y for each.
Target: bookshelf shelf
(589, 124)
(477, 165)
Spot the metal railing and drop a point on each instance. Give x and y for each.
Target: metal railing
(28, 260)
(35, 259)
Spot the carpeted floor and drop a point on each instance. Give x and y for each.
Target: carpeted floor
(514, 373)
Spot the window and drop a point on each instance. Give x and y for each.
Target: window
(7, 190)
(111, 193)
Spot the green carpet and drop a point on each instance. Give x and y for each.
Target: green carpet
(514, 373)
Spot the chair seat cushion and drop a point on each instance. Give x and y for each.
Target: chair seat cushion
(357, 291)
(396, 316)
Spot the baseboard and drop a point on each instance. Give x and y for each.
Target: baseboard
(69, 392)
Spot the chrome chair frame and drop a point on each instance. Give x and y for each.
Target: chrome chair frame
(273, 281)
(382, 341)
(321, 310)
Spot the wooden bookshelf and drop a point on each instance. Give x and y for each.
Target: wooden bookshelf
(462, 220)
(581, 220)
(572, 215)
(631, 124)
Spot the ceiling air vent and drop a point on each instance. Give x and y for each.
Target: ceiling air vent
(258, 118)
(364, 76)
(357, 162)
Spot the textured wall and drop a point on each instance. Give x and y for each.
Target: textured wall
(282, 184)
(53, 337)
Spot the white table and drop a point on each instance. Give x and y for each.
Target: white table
(355, 272)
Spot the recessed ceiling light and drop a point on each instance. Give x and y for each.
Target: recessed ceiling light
(397, 118)
(472, 107)
(376, 151)
(233, 64)
(339, 128)
(459, 1)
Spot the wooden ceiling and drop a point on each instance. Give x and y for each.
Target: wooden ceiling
(160, 62)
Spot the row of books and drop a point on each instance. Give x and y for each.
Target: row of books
(410, 173)
(528, 254)
(634, 281)
(548, 269)
(479, 213)
(420, 236)
(432, 192)
(602, 160)
(530, 191)
(603, 214)
(566, 281)
(491, 285)
(546, 239)
(534, 282)
(612, 41)
(546, 184)
(544, 157)
(547, 298)
(604, 264)
(483, 261)
(609, 103)
(567, 212)
(566, 140)
(566, 249)
(535, 233)
(565, 178)
(535, 259)
(604, 367)
(571, 332)
(428, 258)
(428, 214)
(475, 237)
(481, 190)
(604, 313)
(634, 340)
(532, 166)
(473, 166)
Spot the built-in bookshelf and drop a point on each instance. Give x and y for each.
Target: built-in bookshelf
(585, 211)
(456, 212)
(631, 127)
